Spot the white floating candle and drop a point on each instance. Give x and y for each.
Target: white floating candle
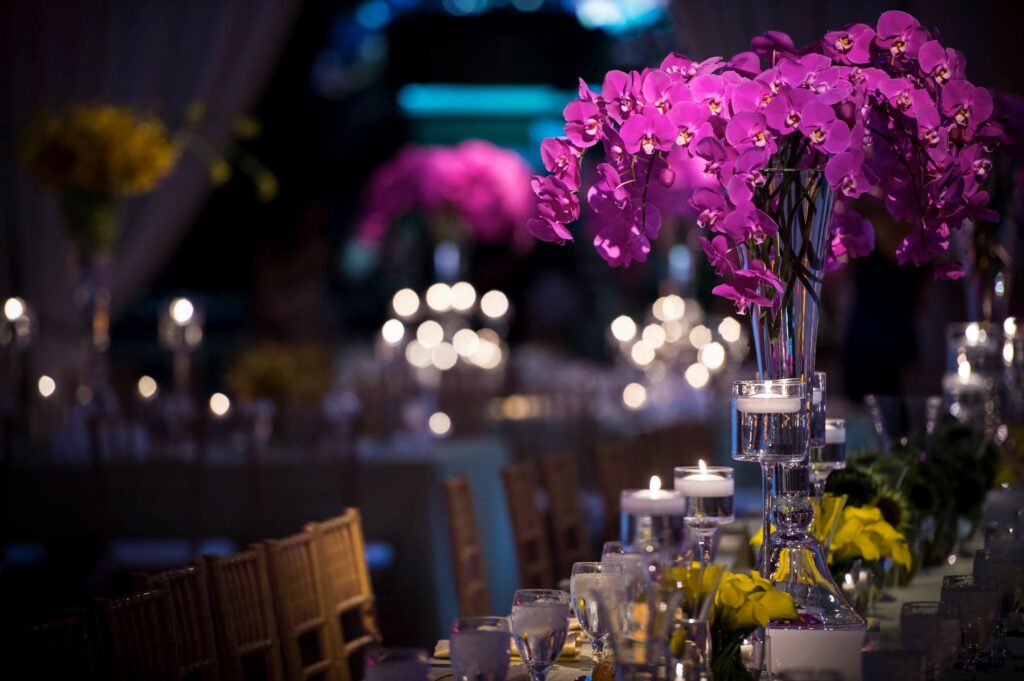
(768, 404)
(816, 396)
(652, 502)
(705, 484)
(834, 434)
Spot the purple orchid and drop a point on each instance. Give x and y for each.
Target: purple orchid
(710, 90)
(747, 222)
(710, 207)
(900, 93)
(749, 129)
(746, 286)
(691, 123)
(851, 235)
(582, 123)
(773, 46)
(965, 103)
(784, 111)
(744, 175)
(721, 255)
(548, 230)
(649, 131)
(620, 92)
(661, 92)
(851, 45)
(561, 158)
(939, 63)
(845, 172)
(900, 33)
(818, 122)
(750, 95)
(556, 201)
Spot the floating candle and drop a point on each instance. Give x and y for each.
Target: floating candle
(768, 404)
(652, 502)
(816, 396)
(705, 484)
(835, 434)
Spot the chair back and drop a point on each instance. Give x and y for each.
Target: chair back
(467, 551)
(345, 580)
(59, 650)
(621, 464)
(565, 513)
(243, 615)
(309, 637)
(137, 637)
(680, 444)
(533, 556)
(191, 618)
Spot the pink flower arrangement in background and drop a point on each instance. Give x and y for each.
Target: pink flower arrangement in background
(881, 110)
(485, 186)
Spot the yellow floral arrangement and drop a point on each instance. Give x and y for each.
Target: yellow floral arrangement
(741, 603)
(93, 155)
(864, 533)
(103, 148)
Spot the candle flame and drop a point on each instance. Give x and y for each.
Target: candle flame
(703, 466)
(655, 482)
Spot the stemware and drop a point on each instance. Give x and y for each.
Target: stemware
(637, 566)
(591, 585)
(479, 648)
(540, 624)
(976, 603)
(816, 436)
(931, 628)
(1006, 566)
(831, 457)
(396, 664)
(770, 426)
(709, 494)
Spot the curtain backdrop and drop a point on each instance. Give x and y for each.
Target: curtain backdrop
(158, 55)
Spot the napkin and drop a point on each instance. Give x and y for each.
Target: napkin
(570, 652)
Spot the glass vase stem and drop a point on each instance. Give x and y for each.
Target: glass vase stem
(767, 484)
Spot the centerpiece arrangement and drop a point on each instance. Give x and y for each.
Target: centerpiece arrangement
(789, 139)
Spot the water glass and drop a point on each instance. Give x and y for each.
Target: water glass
(593, 585)
(479, 648)
(1006, 567)
(931, 628)
(540, 625)
(638, 564)
(397, 664)
(976, 600)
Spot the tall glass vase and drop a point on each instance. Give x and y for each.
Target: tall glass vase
(92, 296)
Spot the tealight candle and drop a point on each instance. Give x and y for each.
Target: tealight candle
(705, 484)
(835, 433)
(652, 502)
(768, 403)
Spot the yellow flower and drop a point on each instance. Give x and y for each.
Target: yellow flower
(864, 533)
(102, 149)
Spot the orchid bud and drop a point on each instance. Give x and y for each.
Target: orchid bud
(666, 176)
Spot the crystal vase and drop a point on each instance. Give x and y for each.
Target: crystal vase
(785, 341)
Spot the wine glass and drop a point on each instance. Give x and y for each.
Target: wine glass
(479, 648)
(709, 502)
(931, 628)
(976, 600)
(540, 624)
(593, 584)
(770, 425)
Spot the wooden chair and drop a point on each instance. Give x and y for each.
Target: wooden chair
(58, 650)
(528, 532)
(467, 552)
(243, 615)
(565, 513)
(345, 584)
(191, 619)
(623, 464)
(310, 638)
(137, 637)
(680, 444)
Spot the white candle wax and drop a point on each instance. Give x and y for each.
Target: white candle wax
(835, 435)
(652, 502)
(768, 404)
(705, 485)
(816, 396)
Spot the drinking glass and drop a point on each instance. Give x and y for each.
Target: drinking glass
(931, 628)
(831, 457)
(591, 585)
(636, 566)
(479, 648)
(709, 502)
(770, 425)
(397, 664)
(1006, 567)
(976, 600)
(540, 624)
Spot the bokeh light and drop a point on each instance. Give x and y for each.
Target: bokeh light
(624, 329)
(393, 331)
(494, 304)
(439, 297)
(440, 423)
(147, 387)
(634, 395)
(430, 334)
(405, 303)
(46, 385)
(220, 405)
(697, 375)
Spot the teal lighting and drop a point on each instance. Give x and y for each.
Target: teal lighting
(436, 100)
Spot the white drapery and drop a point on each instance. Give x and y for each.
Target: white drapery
(158, 55)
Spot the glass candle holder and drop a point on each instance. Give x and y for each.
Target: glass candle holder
(770, 425)
(976, 600)
(653, 519)
(816, 437)
(831, 457)
(709, 492)
(932, 629)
